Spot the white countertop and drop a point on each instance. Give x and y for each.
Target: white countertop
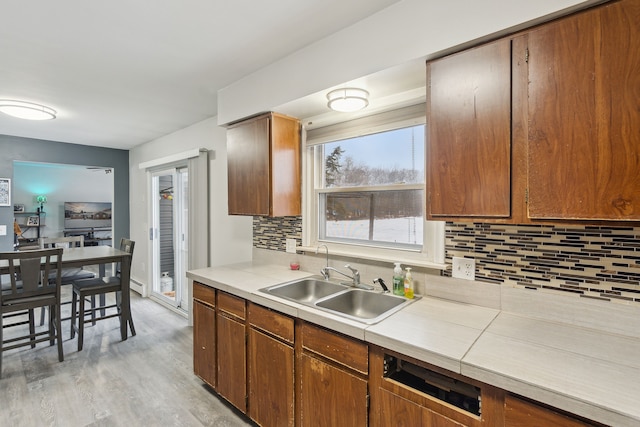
(590, 372)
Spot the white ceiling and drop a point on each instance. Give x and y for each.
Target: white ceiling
(121, 73)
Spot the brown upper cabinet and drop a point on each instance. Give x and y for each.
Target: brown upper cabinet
(264, 166)
(584, 115)
(468, 133)
(569, 147)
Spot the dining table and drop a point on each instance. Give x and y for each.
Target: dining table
(100, 256)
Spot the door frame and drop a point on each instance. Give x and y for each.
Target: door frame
(197, 161)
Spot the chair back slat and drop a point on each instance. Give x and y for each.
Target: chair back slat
(61, 242)
(26, 270)
(30, 274)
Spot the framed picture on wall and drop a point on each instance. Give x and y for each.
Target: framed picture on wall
(33, 220)
(5, 192)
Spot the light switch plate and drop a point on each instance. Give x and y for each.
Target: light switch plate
(3, 230)
(291, 246)
(464, 268)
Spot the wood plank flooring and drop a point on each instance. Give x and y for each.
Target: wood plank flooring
(147, 380)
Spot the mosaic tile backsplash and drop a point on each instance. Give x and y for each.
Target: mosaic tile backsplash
(271, 233)
(588, 261)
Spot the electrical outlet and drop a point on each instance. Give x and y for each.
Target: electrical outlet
(291, 246)
(464, 268)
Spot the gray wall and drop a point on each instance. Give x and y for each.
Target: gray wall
(35, 150)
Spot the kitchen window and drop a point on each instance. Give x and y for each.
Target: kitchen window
(364, 192)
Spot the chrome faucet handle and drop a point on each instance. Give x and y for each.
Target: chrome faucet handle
(356, 274)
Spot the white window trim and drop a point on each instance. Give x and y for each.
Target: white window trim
(432, 254)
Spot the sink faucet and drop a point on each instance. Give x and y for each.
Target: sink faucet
(325, 270)
(355, 277)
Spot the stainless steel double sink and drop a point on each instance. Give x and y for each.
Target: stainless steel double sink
(357, 304)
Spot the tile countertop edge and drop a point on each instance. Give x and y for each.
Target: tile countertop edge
(549, 397)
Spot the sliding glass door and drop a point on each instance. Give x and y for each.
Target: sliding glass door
(169, 233)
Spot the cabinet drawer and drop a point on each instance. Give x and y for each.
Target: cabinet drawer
(272, 322)
(204, 294)
(341, 349)
(231, 304)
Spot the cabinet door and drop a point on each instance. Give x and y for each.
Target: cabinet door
(204, 342)
(248, 163)
(271, 384)
(584, 110)
(469, 133)
(433, 419)
(396, 411)
(232, 375)
(331, 396)
(399, 412)
(520, 413)
(285, 166)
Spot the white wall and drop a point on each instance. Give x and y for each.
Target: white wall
(407, 31)
(60, 183)
(230, 237)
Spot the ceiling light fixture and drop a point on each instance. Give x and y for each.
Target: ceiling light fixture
(26, 110)
(348, 99)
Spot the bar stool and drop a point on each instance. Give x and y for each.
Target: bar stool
(68, 274)
(85, 288)
(28, 289)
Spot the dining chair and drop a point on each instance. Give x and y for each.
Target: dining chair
(85, 288)
(68, 274)
(27, 289)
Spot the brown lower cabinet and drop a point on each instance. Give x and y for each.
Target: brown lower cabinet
(204, 333)
(407, 392)
(232, 350)
(397, 411)
(283, 371)
(523, 413)
(333, 379)
(271, 372)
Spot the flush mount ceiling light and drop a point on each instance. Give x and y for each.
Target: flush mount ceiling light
(26, 110)
(348, 99)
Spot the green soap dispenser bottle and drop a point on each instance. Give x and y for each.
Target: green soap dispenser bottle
(398, 280)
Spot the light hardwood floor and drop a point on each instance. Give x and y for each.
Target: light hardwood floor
(147, 380)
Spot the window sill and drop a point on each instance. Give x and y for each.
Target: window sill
(402, 257)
